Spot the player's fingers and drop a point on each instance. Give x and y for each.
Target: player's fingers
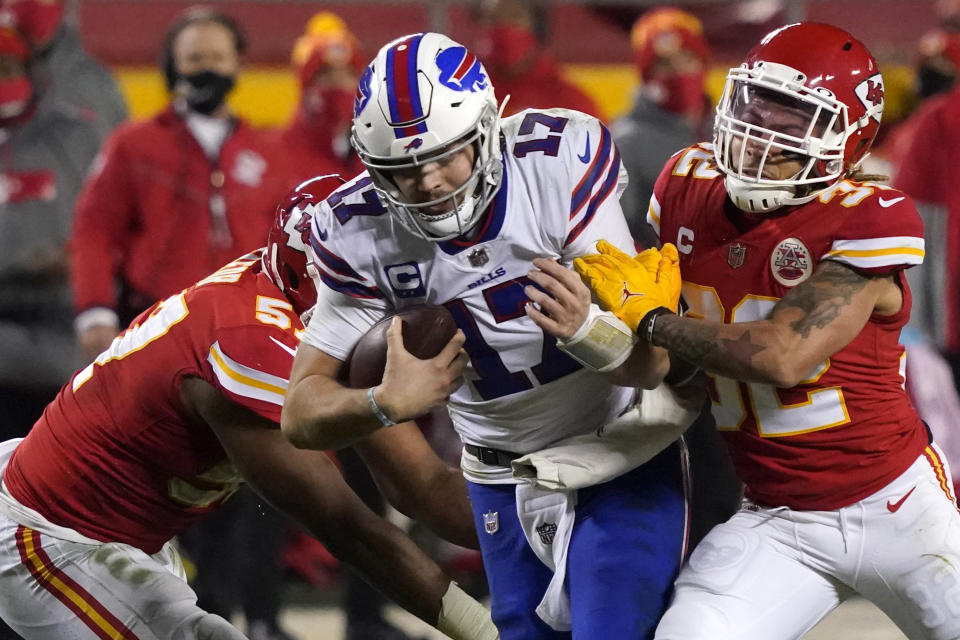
(589, 266)
(549, 305)
(669, 251)
(452, 348)
(454, 385)
(606, 249)
(568, 291)
(395, 337)
(596, 259)
(663, 269)
(613, 253)
(606, 275)
(594, 279)
(460, 362)
(558, 271)
(540, 319)
(649, 259)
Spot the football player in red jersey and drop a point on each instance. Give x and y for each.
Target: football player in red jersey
(163, 426)
(793, 270)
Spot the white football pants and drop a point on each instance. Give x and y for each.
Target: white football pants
(55, 589)
(774, 573)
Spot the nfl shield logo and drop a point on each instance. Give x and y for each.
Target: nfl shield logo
(478, 257)
(735, 255)
(491, 522)
(547, 531)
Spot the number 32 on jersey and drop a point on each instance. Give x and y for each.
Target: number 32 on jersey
(733, 402)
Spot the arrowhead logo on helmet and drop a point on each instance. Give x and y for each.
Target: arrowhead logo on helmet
(870, 93)
(285, 259)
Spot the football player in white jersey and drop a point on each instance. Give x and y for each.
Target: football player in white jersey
(460, 208)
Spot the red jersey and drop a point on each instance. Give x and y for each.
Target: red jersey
(848, 429)
(116, 456)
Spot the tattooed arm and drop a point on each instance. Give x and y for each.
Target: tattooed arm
(812, 322)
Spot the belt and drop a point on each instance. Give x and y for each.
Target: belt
(492, 457)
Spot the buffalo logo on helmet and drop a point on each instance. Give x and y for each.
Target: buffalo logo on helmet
(363, 91)
(413, 145)
(460, 70)
(790, 262)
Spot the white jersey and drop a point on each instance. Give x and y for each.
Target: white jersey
(559, 194)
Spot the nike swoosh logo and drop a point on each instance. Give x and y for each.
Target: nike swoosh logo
(889, 203)
(893, 507)
(322, 235)
(292, 352)
(585, 156)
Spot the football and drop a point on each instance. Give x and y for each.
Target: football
(426, 331)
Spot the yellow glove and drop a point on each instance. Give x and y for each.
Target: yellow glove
(632, 287)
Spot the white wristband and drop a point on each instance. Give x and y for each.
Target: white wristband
(377, 411)
(95, 317)
(463, 618)
(603, 342)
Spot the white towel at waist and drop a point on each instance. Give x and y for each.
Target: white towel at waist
(619, 446)
(546, 517)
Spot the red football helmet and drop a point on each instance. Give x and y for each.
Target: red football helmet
(808, 93)
(286, 259)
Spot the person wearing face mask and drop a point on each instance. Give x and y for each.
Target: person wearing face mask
(39, 21)
(519, 65)
(172, 199)
(177, 196)
(40, 176)
(670, 108)
(16, 89)
(327, 61)
(669, 113)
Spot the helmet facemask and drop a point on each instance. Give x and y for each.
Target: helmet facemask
(467, 202)
(766, 117)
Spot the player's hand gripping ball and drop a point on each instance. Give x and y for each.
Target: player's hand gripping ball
(426, 331)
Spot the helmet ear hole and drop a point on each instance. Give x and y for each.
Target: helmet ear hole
(292, 277)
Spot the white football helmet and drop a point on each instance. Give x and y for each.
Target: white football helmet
(425, 97)
(809, 93)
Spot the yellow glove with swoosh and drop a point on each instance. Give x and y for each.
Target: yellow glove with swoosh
(633, 288)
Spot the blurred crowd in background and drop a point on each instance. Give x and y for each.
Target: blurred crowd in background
(143, 145)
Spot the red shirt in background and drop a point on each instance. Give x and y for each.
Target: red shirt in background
(146, 214)
(928, 172)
